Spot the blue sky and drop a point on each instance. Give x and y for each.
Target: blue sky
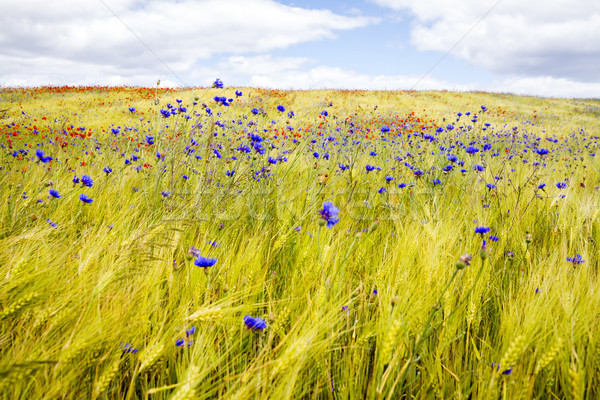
(537, 47)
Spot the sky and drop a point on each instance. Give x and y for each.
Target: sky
(547, 48)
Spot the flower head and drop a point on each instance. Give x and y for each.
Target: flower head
(482, 230)
(217, 84)
(54, 193)
(576, 260)
(329, 214)
(86, 180)
(255, 323)
(43, 158)
(205, 262)
(464, 261)
(85, 198)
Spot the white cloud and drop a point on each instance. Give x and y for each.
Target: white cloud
(88, 35)
(555, 38)
(302, 73)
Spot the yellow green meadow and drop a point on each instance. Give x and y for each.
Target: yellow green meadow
(243, 243)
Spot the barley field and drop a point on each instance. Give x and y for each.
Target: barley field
(242, 243)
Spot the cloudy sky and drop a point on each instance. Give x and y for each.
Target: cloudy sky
(537, 47)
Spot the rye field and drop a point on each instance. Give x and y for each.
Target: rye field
(242, 243)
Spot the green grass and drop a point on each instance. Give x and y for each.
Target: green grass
(374, 307)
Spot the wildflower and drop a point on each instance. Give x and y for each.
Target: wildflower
(561, 185)
(75, 180)
(165, 194)
(54, 193)
(482, 230)
(238, 93)
(484, 252)
(255, 323)
(298, 228)
(493, 238)
(217, 84)
(329, 214)
(107, 170)
(131, 109)
(576, 260)
(52, 224)
(127, 348)
(382, 190)
(491, 186)
(193, 253)
(464, 261)
(85, 198)
(86, 180)
(43, 158)
(205, 262)
(280, 108)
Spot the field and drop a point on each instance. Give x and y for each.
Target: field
(242, 243)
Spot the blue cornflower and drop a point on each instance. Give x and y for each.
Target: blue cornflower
(255, 323)
(493, 238)
(436, 182)
(43, 158)
(389, 178)
(382, 190)
(52, 224)
(165, 194)
(561, 185)
(478, 168)
(86, 180)
(329, 214)
(238, 93)
(85, 198)
(75, 180)
(482, 230)
(150, 140)
(385, 129)
(316, 155)
(127, 348)
(54, 193)
(542, 152)
(107, 170)
(576, 260)
(230, 173)
(131, 109)
(402, 185)
(280, 108)
(324, 113)
(217, 84)
(205, 262)
(491, 186)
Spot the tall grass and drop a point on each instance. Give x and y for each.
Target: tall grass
(374, 307)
